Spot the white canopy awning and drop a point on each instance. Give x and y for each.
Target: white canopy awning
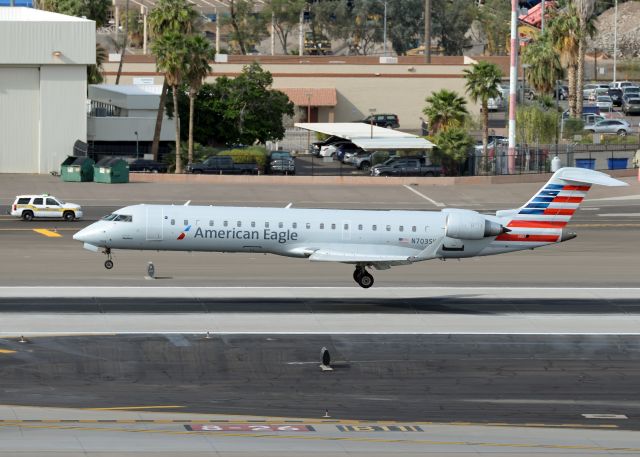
(368, 137)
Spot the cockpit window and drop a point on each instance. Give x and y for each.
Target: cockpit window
(109, 217)
(123, 218)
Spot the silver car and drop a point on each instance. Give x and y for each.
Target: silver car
(604, 102)
(617, 126)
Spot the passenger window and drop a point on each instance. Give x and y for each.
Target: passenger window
(37, 201)
(321, 226)
(52, 202)
(23, 201)
(226, 223)
(266, 225)
(186, 222)
(239, 224)
(388, 228)
(374, 227)
(414, 228)
(333, 226)
(210, 223)
(173, 222)
(308, 225)
(401, 228)
(346, 226)
(294, 225)
(360, 227)
(280, 225)
(253, 223)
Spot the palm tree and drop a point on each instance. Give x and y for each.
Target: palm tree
(171, 59)
(544, 65)
(483, 80)
(94, 72)
(564, 32)
(199, 54)
(584, 10)
(445, 109)
(453, 147)
(169, 16)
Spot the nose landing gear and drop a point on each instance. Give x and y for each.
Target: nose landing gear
(108, 264)
(362, 277)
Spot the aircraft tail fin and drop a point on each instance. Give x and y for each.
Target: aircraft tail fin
(544, 217)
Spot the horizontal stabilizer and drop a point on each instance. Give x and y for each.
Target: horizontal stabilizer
(584, 175)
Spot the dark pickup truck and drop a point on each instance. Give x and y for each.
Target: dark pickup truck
(406, 166)
(222, 165)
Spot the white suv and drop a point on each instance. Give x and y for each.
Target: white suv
(29, 206)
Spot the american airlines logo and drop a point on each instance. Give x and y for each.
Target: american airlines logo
(184, 232)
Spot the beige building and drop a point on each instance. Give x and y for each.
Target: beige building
(339, 89)
(43, 87)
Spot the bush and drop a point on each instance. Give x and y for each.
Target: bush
(253, 154)
(573, 126)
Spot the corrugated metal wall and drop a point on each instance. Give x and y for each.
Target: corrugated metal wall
(19, 119)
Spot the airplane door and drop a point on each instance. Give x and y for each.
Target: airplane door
(346, 230)
(155, 221)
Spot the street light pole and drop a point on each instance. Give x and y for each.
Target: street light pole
(615, 40)
(308, 94)
(372, 111)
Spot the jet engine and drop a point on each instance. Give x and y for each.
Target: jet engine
(465, 224)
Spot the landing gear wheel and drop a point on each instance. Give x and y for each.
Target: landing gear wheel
(366, 280)
(357, 274)
(108, 264)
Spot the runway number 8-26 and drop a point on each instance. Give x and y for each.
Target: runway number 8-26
(249, 428)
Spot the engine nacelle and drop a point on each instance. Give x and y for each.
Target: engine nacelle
(464, 224)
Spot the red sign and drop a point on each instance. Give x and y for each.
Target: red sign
(249, 428)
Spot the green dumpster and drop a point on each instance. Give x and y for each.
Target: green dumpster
(111, 171)
(77, 169)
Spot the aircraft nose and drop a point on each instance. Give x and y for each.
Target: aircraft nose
(90, 234)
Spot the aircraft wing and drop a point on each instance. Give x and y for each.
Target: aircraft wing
(322, 255)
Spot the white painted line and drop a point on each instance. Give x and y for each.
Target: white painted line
(604, 416)
(619, 215)
(438, 204)
(17, 334)
(285, 288)
(589, 209)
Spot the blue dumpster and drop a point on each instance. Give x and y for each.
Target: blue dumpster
(586, 163)
(617, 164)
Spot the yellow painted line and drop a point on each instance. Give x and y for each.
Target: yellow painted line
(359, 439)
(7, 351)
(49, 233)
(125, 408)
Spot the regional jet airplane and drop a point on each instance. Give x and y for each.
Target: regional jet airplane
(366, 239)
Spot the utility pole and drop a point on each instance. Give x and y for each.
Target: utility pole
(384, 39)
(427, 31)
(513, 83)
(615, 41)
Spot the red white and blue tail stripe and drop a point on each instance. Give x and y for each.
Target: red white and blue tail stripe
(542, 220)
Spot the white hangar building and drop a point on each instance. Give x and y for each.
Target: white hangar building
(43, 87)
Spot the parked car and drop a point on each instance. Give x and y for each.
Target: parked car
(406, 166)
(604, 102)
(317, 146)
(390, 121)
(222, 165)
(28, 207)
(631, 106)
(331, 149)
(148, 166)
(599, 92)
(343, 149)
(561, 93)
(495, 103)
(630, 92)
(281, 162)
(617, 126)
(362, 160)
(587, 90)
(616, 96)
(621, 84)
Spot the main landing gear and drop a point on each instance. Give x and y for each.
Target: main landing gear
(108, 264)
(362, 277)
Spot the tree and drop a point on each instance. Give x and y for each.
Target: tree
(169, 16)
(451, 22)
(544, 64)
(482, 84)
(362, 27)
(199, 54)
(286, 18)
(453, 147)
(171, 58)
(564, 31)
(536, 125)
(494, 17)
(445, 109)
(94, 72)
(243, 110)
(248, 28)
(404, 26)
(96, 10)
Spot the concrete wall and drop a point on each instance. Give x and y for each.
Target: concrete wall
(123, 128)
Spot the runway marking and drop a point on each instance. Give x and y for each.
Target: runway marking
(342, 424)
(7, 351)
(438, 204)
(422, 442)
(604, 416)
(49, 233)
(295, 288)
(125, 408)
(619, 215)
